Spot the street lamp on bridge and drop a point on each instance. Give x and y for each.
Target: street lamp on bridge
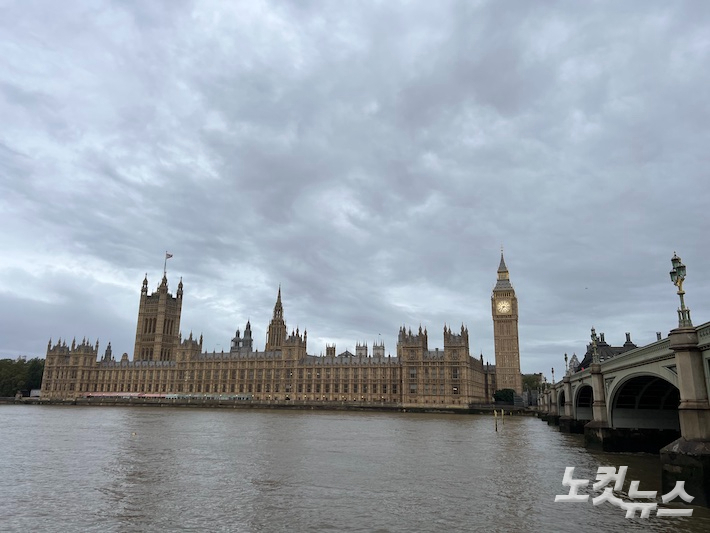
(595, 354)
(678, 277)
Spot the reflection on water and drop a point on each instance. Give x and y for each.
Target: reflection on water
(153, 469)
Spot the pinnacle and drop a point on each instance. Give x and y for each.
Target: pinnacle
(502, 267)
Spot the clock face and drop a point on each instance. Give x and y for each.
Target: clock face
(503, 307)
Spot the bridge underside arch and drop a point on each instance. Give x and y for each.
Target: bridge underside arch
(583, 403)
(646, 402)
(561, 402)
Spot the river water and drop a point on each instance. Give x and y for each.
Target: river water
(170, 469)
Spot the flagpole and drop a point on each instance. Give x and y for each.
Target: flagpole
(165, 264)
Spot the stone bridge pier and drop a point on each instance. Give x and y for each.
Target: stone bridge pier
(553, 416)
(688, 458)
(652, 399)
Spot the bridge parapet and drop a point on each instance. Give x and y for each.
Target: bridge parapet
(658, 350)
(704, 336)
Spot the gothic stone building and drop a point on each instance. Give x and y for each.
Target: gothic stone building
(504, 306)
(166, 365)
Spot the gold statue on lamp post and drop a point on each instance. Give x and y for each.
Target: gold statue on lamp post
(678, 277)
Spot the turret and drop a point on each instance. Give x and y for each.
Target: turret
(361, 350)
(453, 340)
(378, 349)
(294, 346)
(243, 344)
(236, 342)
(412, 346)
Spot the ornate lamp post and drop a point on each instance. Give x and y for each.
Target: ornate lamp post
(678, 277)
(567, 372)
(595, 354)
(688, 458)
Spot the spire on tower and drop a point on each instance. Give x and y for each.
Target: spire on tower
(503, 282)
(276, 333)
(278, 307)
(502, 267)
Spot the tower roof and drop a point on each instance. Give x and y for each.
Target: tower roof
(502, 267)
(503, 283)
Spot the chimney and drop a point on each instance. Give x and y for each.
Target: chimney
(601, 337)
(628, 337)
(658, 335)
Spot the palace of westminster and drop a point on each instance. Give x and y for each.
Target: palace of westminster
(166, 365)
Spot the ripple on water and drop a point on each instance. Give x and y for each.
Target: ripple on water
(122, 469)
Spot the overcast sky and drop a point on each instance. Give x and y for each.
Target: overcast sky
(370, 157)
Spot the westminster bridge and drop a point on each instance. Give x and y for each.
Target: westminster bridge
(650, 399)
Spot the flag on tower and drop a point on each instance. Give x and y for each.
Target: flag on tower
(165, 263)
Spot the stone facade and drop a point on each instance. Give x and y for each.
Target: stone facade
(504, 306)
(165, 364)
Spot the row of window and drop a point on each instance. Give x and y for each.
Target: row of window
(259, 388)
(150, 325)
(433, 373)
(249, 375)
(433, 389)
(268, 373)
(327, 388)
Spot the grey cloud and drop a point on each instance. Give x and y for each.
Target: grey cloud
(371, 159)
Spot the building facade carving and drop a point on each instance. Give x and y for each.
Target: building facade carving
(166, 365)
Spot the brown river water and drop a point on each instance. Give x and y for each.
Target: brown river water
(128, 469)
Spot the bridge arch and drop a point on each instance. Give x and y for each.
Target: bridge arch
(644, 401)
(561, 402)
(583, 398)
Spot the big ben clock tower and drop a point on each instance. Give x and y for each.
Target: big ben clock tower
(504, 305)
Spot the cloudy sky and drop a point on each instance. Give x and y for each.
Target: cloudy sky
(370, 157)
